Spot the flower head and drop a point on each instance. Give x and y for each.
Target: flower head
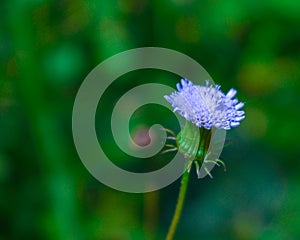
(206, 106)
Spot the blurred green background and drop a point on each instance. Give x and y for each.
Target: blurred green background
(47, 48)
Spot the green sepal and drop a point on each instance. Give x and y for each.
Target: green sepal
(193, 141)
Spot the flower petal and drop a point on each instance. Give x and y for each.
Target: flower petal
(206, 106)
(232, 92)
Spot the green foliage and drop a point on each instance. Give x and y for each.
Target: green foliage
(46, 50)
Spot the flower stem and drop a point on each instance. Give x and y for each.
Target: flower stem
(178, 210)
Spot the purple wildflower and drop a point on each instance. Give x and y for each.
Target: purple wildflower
(206, 106)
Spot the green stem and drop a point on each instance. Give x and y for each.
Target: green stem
(178, 210)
